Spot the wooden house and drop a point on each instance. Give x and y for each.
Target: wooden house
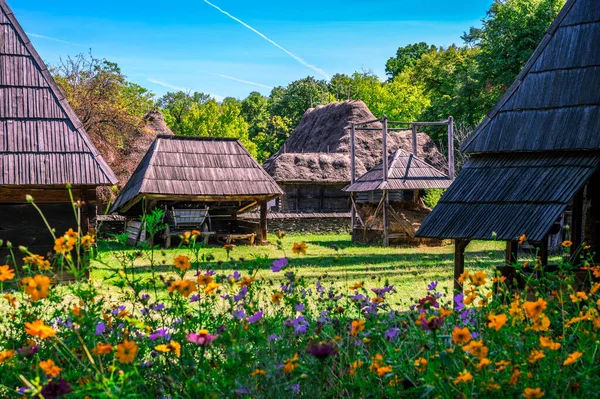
(537, 152)
(403, 183)
(314, 164)
(43, 147)
(217, 177)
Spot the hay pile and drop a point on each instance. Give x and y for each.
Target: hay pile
(321, 136)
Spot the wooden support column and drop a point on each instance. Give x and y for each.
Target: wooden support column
(543, 253)
(352, 179)
(459, 262)
(451, 147)
(512, 250)
(386, 219)
(263, 222)
(414, 140)
(386, 198)
(577, 221)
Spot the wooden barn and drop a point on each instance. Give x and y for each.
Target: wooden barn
(200, 183)
(536, 154)
(43, 146)
(398, 186)
(314, 164)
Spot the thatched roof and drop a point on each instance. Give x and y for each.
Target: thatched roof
(155, 124)
(322, 131)
(405, 172)
(196, 169)
(42, 142)
(528, 162)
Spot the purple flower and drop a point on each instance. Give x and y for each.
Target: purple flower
(382, 291)
(241, 294)
(320, 288)
(279, 264)
(296, 388)
(273, 337)
(324, 318)
(158, 307)
(201, 338)
(145, 297)
(161, 333)
(300, 324)
(432, 286)
(299, 307)
(146, 364)
(428, 302)
(239, 313)
(100, 328)
(144, 311)
(118, 310)
(322, 350)
(392, 334)
(195, 298)
(236, 276)
(28, 350)
(458, 301)
(56, 389)
(255, 317)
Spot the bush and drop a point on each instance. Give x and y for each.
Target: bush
(432, 196)
(193, 332)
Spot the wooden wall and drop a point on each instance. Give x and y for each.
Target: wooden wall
(314, 198)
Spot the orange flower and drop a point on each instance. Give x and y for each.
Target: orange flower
(7, 355)
(377, 299)
(381, 371)
(37, 287)
(483, 363)
(196, 233)
(11, 300)
(184, 287)
(578, 297)
(572, 358)
(535, 309)
(479, 278)
(87, 240)
(172, 346)
(595, 288)
(37, 260)
(522, 239)
(514, 378)
(204, 279)
(533, 393)
(257, 372)
(276, 297)
(496, 321)
(549, 343)
(246, 282)
(445, 312)
(186, 237)
(102, 349)
(64, 244)
(536, 355)
(211, 288)
(291, 364)
(354, 366)
(501, 365)
(356, 286)
(228, 247)
(39, 329)
(567, 243)
(421, 364)
(463, 376)
(49, 368)
(299, 248)
(463, 277)
(182, 262)
(6, 273)
(477, 349)
(461, 335)
(541, 323)
(127, 351)
(357, 326)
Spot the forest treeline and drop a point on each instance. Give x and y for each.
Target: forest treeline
(423, 82)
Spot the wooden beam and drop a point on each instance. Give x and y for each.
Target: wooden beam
(512, 251)
(263, 222)
(577, 221)
(414, 140)
(459, 262)
(543, 253)
(386, 219)
(246, 207)
(451, 147)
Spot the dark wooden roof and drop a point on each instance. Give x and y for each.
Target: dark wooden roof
(554, 104)
(41, 140)
(197, 169)
(510, 195)
(405, 172)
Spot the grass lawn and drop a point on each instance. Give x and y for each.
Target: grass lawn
(409, 269)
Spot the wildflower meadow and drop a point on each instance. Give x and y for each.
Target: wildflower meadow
(197, 332)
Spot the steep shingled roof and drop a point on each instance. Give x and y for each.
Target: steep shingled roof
(194, 168)
(405, 172)
(42, 142)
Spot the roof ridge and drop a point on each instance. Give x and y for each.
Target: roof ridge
(60, 98)
(521, 76)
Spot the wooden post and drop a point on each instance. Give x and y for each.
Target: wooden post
(263, 222)
(386, 198)
(352, 179)
(577, 221)
(512, 249)
(451, 147)
(414, 139)
(386, 219)
(543, 254)
(459, 262)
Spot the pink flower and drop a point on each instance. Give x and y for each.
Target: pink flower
(202, 338)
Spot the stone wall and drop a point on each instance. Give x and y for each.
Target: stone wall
(311, 225)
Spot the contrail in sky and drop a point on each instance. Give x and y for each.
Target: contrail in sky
(184, 89)
(294, 56)
(51, 38)
(244, 81)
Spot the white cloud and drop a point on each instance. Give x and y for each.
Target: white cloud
(184, 89)
(243, 81)
(53, 39)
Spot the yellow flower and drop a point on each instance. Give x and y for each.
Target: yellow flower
(479, 278)
(186, 237)
(127, 351)
(532, 393)
(567, 243)
(291, 364)
(6, 273)
(421, 364)
(258, 372)
(49, 368)
(496, 321)
(549, 343)
(572, 358)
(357, 326)
(184, 287)
(356, 286)
(354, 366)
(37, 287)
(211, 288)
(463, 376)
(172, 346)
(7, 355)
(461, 335)
(39, 329)
(534, 309)
(182, 262)
(276, 297)
(204, 279)
(299, 248)
(477, 349)
(536, 355)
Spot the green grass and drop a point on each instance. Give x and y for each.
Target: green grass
(409, 269)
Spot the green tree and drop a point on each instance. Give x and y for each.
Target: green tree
(176, 106)
(293, 100)
(406, 56)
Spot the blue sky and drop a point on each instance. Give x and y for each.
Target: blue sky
(191, 45)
